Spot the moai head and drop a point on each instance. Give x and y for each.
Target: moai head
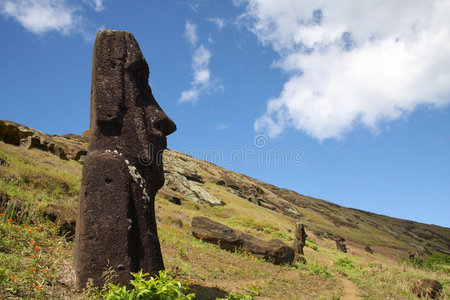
(116, 226)
(124, 114)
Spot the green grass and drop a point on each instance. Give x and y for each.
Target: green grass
(33, 256)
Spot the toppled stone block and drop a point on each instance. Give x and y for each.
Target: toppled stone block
(275, 250)
(428, 288)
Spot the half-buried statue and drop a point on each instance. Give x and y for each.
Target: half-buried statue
(123, 170)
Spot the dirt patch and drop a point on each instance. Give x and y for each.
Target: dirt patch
(351, 292)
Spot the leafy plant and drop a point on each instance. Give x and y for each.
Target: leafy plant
(241, 296)
(321, 270)
(160, 287)
(344, 262)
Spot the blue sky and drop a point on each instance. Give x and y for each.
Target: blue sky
(341, 100)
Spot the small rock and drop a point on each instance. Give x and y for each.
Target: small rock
(220, 182)
(368, 250)
(3, 162)
(175, 200)
(428, 288)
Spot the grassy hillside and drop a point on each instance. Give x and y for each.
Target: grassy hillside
(35, 259)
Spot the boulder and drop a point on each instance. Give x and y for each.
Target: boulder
(64, 217)
(275, 250)
(123, 169)
(340, 244)
(3, 162)
(428, 288)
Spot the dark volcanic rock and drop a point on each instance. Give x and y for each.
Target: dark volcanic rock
(299, 241)
(229, 239)
(213, 232)
(428, 288)
(175, 200)
(64, 217)
(340, 244)
(123, 170)
(3, 162)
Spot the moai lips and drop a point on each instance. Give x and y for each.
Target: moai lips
(123, 170)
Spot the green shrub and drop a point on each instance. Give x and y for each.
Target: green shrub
(160, 287)
(321, 270)
(344, 262)
(241, 296)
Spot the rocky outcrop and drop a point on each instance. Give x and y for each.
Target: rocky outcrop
(230, 239)
(190, 190)
(428, 288)
(123, 170)
(182, 177)
(19, 135)
(67, 146)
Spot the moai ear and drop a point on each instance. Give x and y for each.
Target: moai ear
(107, 99)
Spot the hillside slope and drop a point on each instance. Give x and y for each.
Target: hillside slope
(33, 182)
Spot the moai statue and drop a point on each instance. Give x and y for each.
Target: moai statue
(123, 170)
(340, 244)
(299, 242)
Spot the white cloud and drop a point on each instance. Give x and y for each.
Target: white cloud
(42, 16)
(352, 62)
(220, 23)
(202, 82)
(190, 33)
(97, 5)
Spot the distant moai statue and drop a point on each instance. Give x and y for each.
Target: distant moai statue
(340, 244)
(123, 170)
(299, 242)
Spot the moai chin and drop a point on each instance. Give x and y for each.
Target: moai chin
(123, 170)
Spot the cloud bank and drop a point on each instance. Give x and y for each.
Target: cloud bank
(352, 62)
(202, 82)
(42, 16)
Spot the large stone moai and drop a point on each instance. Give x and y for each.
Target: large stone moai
(299, 242)
(123, 170)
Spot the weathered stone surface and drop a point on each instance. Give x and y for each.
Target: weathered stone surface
(368, 250)
(428, 288)
(340, 244)
(123, 170)
(230, 239)
(299, 241)
(179, 183)
(216, 233)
